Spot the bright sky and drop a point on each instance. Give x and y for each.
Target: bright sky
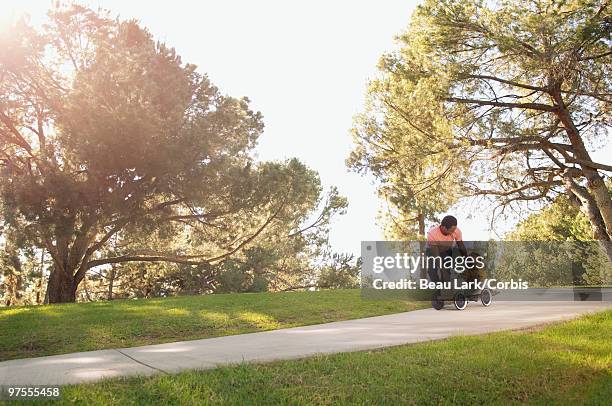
(304, 65)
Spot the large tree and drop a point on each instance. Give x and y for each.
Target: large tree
(113, 150)
(500, 98)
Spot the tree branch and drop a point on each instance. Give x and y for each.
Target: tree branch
(530, 106)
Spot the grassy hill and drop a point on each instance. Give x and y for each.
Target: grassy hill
(31, 331)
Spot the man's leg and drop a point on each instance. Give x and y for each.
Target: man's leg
(432, 269)
(445, 271)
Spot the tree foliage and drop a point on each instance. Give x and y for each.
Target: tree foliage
(559, 221)
(500, 98)
(112, 151)
(341, 272)
(554, 247)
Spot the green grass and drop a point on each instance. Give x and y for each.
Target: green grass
(31, 331)
(565, 363)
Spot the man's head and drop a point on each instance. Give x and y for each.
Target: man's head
(448, 225)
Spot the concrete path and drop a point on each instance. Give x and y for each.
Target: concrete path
(343, 336)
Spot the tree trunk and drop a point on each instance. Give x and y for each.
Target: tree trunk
(589, 207)
(39, 286)
(61, 287)
(421, 219)
(601, 195)
(595, 183)
(111, 281)
(38, 289)
(87, 295)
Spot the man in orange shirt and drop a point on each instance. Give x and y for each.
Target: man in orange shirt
(440, 241)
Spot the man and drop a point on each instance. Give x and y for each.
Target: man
(440, 241)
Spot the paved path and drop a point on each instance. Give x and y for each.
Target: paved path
(342, 336)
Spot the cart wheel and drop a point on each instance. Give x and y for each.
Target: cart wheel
(486, 298)
(437, 303)
(460, 301)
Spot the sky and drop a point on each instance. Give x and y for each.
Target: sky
(305, 66)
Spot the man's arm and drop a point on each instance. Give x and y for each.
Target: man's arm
(461, 247)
